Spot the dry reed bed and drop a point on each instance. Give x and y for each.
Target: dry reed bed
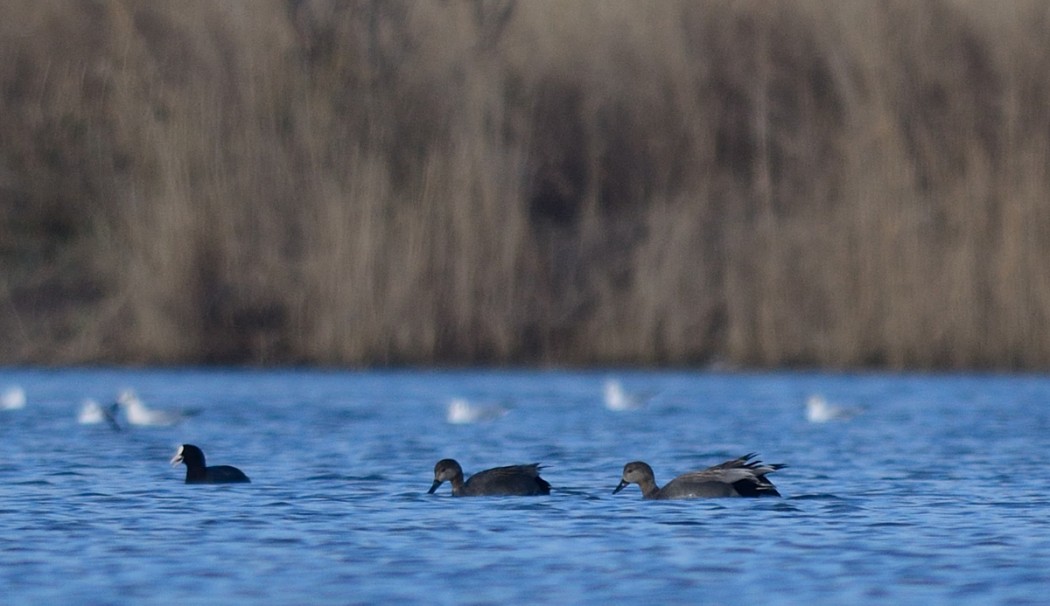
(590, 182)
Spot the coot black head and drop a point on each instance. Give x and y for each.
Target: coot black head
(198, 473)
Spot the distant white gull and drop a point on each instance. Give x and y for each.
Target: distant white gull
(461, 412)
(818, 410)
(92, 413)
(13, 398)
(618, 399)
(136, 412)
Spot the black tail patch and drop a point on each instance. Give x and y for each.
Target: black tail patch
(751, 488)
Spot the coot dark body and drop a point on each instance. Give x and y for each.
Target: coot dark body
(199, 473)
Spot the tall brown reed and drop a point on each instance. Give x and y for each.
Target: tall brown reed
(488, 181)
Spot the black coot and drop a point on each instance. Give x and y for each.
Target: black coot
(198, 473)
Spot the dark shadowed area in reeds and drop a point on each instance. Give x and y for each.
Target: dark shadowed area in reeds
(384, 182)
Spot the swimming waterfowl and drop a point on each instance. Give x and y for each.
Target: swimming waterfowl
(512, 480)
(137, 413)
(198, 473)
(461, 412)
(818, 410)
(616, 398)
(13, 398)
(740, 477)
(91, 412)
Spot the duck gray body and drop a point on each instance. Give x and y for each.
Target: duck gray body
(512, 480)
(740, 477)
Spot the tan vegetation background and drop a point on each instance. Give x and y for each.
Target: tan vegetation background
(757, 183)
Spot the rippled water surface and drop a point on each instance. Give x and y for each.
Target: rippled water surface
(935, 493)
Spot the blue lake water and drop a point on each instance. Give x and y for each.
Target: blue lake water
(936, 493)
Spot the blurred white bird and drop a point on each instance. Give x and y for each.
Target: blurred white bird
(460, 412)
(136, 412)
(618, 399)
(91, 413)
(13, 398)
(818, 410)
